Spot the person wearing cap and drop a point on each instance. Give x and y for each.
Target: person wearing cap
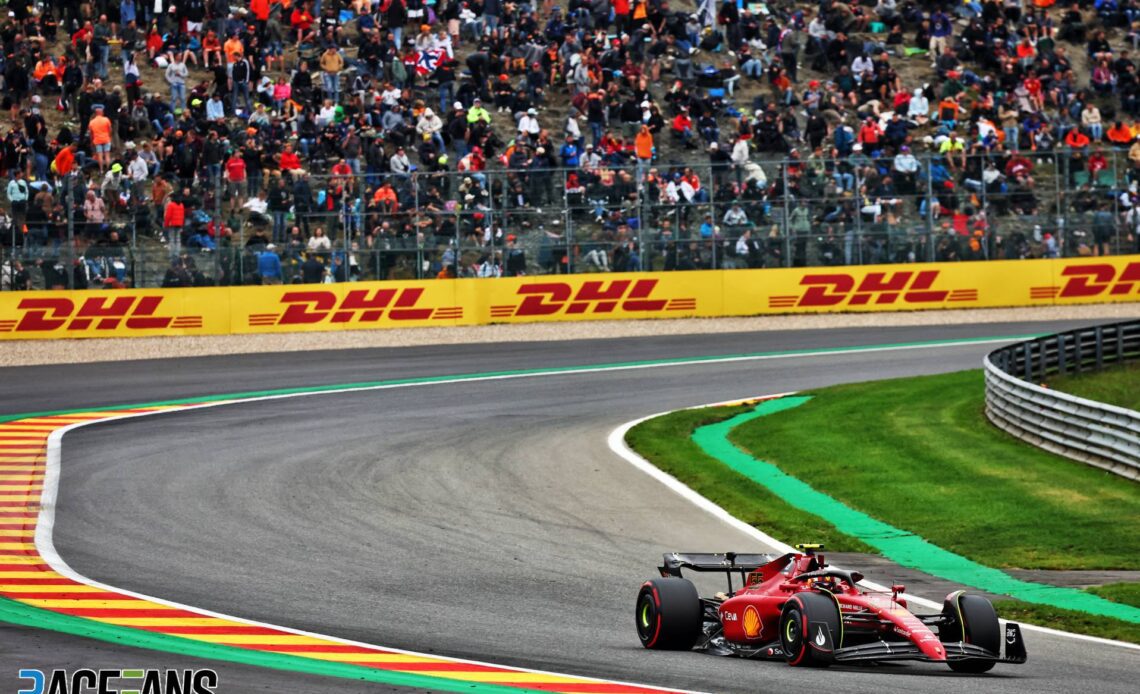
(456, 128)
(514, 262)
(100, 128)
(528, 124)
(906, 171)
(478, 113)
(269, 265)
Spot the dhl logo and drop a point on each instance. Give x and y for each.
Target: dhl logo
(1091, 280)
(102, 313)
(879, 288)
(551, 298)
(357, 306)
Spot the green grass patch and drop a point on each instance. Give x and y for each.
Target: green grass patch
(1125, 593)
(919, 454)
(666, 442)
(1115, 385)
(1067, 620)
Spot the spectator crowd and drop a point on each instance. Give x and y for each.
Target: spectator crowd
(279, 141)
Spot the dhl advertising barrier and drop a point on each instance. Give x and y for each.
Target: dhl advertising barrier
(371, 305)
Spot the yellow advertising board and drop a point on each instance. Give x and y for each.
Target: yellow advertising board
(709, 293)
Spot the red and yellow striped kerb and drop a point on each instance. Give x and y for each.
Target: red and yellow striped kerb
(26, 577)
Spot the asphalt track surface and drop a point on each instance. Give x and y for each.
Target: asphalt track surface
(484, 520)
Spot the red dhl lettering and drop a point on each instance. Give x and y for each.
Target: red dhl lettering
(1098, 278)
(595, 296)
(98, 313)
(357, 306)
(833, 289)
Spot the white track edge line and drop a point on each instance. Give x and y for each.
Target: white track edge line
(617, 444)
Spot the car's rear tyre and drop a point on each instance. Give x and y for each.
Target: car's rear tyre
(971, 619)
(668, 614)
(804, 610)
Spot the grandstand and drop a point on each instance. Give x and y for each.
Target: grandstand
(483, 139)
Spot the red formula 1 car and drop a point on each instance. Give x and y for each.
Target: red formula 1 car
(797, 608)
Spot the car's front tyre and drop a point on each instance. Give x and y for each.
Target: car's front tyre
(972, 619)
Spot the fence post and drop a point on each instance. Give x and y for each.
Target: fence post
(787, 215)
(567, 233)
(1060, 224)
(218, 190)
(70, 267)
(1098, 332)
(930, 254)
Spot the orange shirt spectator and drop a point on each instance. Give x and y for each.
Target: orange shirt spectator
(386, 195)
(1120, 134)
(643, 144)
(64, 162)
(100, 127)
(1076, 139)
(233, 49)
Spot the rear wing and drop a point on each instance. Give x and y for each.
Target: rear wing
(727, 563)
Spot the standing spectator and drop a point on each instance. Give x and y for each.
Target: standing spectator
(173, 220)
(941, 27)
(643, 148)
(240, 75)
(515, 261)
(279, 202)
(269, 265)
(176, 76)
(18, 197)
(332, 63)
(100, 129)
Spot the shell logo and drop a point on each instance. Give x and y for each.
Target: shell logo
(753, 625)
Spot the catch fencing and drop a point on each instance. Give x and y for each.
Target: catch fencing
(1094, 433)
(804, 211)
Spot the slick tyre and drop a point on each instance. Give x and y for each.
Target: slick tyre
(668, 614)
(803, 615)
(971, 619)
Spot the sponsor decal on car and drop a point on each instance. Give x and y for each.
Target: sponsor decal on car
(753, 625)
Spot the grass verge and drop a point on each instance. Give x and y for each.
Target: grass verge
(1117, 385)
(919, 454)
(944, 405)
(1068, 620)
(666, 442)
(1126, 593)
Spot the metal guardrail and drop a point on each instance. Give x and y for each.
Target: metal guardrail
(1091, 432)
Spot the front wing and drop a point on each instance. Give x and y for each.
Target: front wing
(955, 650)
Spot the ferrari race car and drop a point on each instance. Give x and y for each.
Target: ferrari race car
(796, 608)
